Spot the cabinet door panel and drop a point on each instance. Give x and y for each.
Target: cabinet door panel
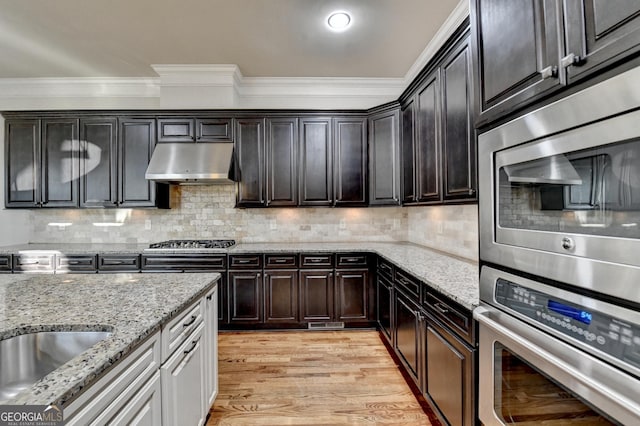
(22, 159)
(281, 296)
(449, 376)
(517, 40)
(245, 298)
(316, 177)
(316, 295)
(385, 303)
(600, 32)
(98, 166)
(137, 140)
(428, 141)
(384, 158)
(408, 165)
(250, 153)
(60, 163)
(282, 179)
(214, 130)
(352, 295)
(458, 138)
(175, 130)
(350, 166)
(407, 334)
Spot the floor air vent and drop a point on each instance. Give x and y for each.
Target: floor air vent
(325, 325)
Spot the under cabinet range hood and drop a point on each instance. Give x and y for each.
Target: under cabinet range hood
(192, 163)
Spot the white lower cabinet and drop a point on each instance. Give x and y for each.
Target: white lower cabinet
(211, 348)
(183, 383)
(171, 379)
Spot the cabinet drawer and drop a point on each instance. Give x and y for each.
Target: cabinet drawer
(175, 130)
(75, 263)
(385, 268)
(102, 400)
(274, 261)
(409, 284)
(5, 263)
(118, 262)
(34, 263)
(177, 262)
(450, 313)
(316, 260)
(179, 328)
(214, 130)
(249, 261)
(351, 259)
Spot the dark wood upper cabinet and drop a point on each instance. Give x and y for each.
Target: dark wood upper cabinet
(384, 157)
(408, 153)
(316, 162)
(136, 143)
(214, 130)
(22, 163)
(250, 157)
(517, 52)
(350, 161)
(458, 134)
(526, 50)
(599, 33)
(281, 161)
(98, 162)
(60, 165)
(427, 141)
(176, 130)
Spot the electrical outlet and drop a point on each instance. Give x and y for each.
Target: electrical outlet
(147, 224)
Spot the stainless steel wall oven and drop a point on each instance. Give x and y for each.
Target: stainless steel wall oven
(559, 321)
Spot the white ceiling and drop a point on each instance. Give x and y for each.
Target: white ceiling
(265, 38)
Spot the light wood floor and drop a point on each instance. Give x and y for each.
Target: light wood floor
(311, 378)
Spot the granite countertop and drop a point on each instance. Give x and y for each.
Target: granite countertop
(130, 306)
(452, 276)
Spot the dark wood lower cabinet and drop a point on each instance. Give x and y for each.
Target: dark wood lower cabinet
(384, 307)
(449, 375)
(245, 296)
(352, 295)
(316, 295)
(281, 296)
(407, 334)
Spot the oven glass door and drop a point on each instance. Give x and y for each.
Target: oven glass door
(576, 193)
(525, 396)
(528, 377)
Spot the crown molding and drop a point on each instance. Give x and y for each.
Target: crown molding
(453, 22)
(218, 86)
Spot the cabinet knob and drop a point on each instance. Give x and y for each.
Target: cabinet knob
(549, 72)
(571, 59)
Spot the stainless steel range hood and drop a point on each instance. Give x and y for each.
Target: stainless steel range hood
(192, 163)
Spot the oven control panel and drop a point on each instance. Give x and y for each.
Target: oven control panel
(613, 336)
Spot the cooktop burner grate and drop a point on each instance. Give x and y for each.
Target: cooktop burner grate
(192, 244)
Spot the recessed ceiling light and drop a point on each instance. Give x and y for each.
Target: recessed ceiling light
(339, 21)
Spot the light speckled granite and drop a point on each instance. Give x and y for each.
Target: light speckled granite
(452, 276)
(131, 306)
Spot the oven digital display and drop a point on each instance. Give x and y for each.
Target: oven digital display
(570, 311)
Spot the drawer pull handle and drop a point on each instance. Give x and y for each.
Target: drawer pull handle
(351, 259)
(193, 346)
(280, 260)
(193, 319)
(209, 297)
(441, 308)
(29, 262)
(74, 262)
(316, 260)
(245, 260)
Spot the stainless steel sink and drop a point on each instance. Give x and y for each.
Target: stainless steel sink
(27, 358)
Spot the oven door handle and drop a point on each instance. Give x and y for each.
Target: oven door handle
(603, 385)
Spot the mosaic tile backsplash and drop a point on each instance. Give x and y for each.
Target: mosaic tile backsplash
(207, 212)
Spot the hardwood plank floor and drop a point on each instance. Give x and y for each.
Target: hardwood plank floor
(311, 378)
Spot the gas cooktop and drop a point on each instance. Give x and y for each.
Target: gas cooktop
(192, 244)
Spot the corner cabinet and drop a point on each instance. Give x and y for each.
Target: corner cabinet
(438, 139)
(384, 157)
(525, 51)
(80, 161)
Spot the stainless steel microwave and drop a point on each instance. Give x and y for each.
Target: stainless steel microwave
(560, 190)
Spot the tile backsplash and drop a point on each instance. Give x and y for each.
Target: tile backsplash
(207, 212)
